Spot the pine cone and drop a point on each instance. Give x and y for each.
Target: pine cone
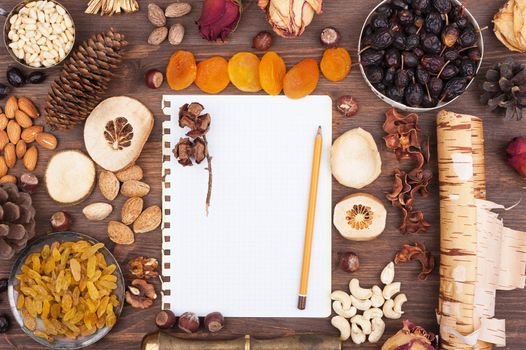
(505, 89)
(17, 220)
(84, 78)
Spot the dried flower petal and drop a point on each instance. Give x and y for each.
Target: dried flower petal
(219, 18)
(417, 252)
(183, 151)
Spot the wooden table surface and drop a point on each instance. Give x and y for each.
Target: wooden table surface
(504, 185)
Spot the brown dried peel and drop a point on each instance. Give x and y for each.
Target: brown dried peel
(417, 252)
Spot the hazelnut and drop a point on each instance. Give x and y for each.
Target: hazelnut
(165, 319)
(214, 321)
(28, 182)
(330, 37)
(61, 221)
(347, 105)
(153, 78)
(262, 41)
(188, 322)
(349, 262)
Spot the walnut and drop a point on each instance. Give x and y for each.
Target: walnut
(140, 294)
(142, 267)
(119, 133)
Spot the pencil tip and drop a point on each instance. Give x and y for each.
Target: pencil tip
(319, 129)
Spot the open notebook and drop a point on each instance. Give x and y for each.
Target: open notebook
(244, 259)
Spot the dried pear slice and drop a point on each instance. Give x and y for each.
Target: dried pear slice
(360, 217)
(70, 177)
(355, 161)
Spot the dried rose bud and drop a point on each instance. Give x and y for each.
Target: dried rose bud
(347, 105)
(517, 155)
(218, 18)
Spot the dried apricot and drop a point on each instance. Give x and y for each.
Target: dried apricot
(272, 70)
(301, 79)
(243, 70)
(181, 70)
(212, 75)
(335, 64)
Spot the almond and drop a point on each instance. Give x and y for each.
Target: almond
(28, 107)
(20, 149)
(4, 139)
(3, 167)
(23, 119)
(133, 172)
(157, 36)
(31, 158)
(177, 9)
(8, 179)
(134, 188)
(131, 210)
(156, 15)
(148, 221)
(97, 211)
(3, 121)
(13, 131)
(10, 155)
(10, 107)
(46, 140)
(29, 134)
(109, 185)
(176, 34)
(120, 233)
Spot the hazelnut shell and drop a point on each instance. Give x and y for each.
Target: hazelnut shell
(214, 321)
(188, 322)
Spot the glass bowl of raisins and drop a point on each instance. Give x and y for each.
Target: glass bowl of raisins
(420, 55)
(66, 290)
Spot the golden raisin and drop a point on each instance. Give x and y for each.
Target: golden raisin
(243, 70)
(335, 64)
(212, 75)
(181, 70)
(302, 79)
(272, 71)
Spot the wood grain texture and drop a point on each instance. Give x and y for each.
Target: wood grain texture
(504, 186)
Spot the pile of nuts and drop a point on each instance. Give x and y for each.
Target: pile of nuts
(375, 303)
(157, 17)
(128, 183)
(41, 34)
(140, 293)
(189, 321)
(17, 132)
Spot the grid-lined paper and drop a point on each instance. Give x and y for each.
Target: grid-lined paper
(244, 259)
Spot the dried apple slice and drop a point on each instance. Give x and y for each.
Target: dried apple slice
(70, 177)
(355, 161)
(116, 131)
(360, 217)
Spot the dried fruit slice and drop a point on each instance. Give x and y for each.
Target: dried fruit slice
(355, 160)
(335, 64)
(181, 70)
(302, 79)
(116, 131)
(243, 70)
(212, 75)
(360, 217)
(272, 71)
(70, 177)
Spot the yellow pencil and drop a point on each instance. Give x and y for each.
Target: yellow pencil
(307, 248)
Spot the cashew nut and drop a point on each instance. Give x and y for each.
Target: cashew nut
(360, 304)
(364, 324)
(343, 326)
(378, 330)
(399, 300)
(357, 336)
(343, 298)
(359, 292)
(338, 308)
(388, 310)
(373, 312)
(391, 289)
(387, 275)
(377, 300)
